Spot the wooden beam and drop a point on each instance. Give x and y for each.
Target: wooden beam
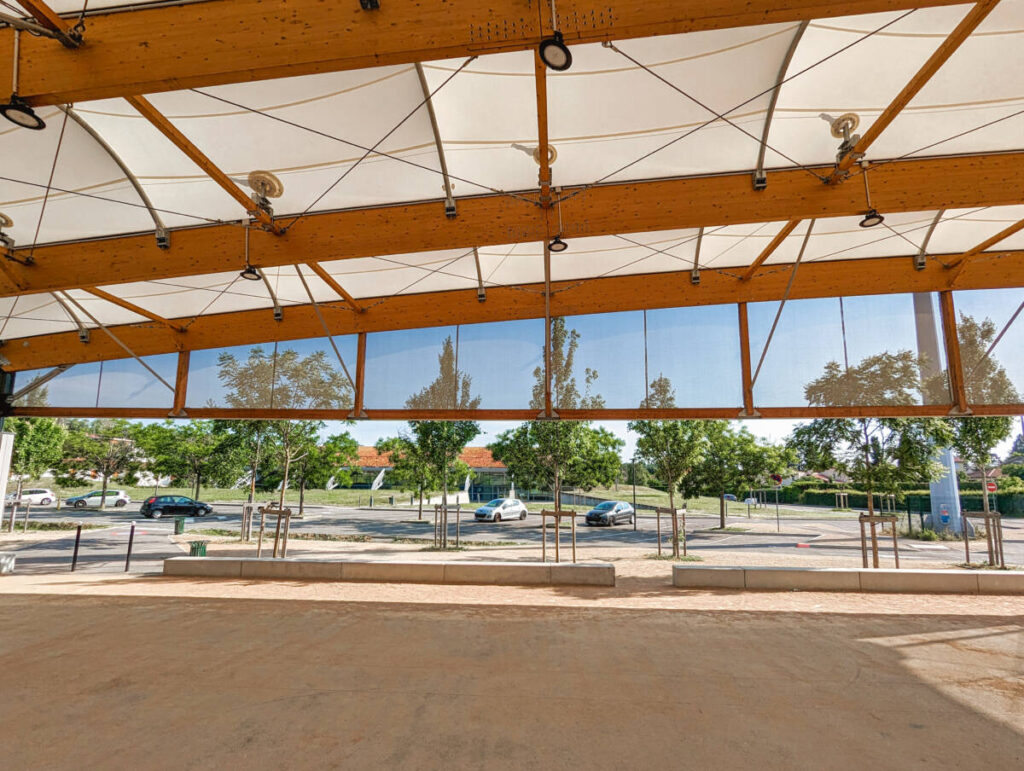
(360, 390)
(48, 18)
(949, 47)
(963, 260)
(769, 250)
(203, 44)
(338, 289)
(670, 413)
(885, 275)
(748, 386)
(900, 186)
(110, 298)
(199, 158)
(954, 364)
(181, 384)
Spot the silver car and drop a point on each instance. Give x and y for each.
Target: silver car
(501, 508)
(37, 496)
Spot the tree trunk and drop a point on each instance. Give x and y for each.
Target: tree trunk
(302, 493)
(675, 523)
(558, 487)
(984, 493)
(444, 507)
(103, 497)
(420, 515)
(721, 510)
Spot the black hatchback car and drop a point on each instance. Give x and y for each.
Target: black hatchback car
(157, 506)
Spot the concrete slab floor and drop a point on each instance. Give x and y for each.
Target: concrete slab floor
(296, 675)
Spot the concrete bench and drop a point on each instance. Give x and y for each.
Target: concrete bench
(490, 573)
(850, 579)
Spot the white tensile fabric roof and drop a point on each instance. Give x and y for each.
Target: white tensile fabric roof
(607, 119)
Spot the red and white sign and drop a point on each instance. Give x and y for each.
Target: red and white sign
(990, 485)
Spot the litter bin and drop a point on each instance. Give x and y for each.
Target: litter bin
(179, 525)
(197, 548)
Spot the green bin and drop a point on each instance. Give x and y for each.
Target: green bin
(197, 548)
(179, 525)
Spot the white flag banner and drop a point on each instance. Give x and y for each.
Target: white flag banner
(465, 487)
(379, 481)
(331, 483)
(512, 490)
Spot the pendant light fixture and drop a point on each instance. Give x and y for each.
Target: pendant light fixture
(872, 217)
(553, 50)
(16, 109)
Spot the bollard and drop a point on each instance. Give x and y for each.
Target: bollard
(131, 540)
(78, 540)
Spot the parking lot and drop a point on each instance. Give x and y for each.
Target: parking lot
(802, 539)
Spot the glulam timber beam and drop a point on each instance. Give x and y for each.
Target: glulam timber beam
(149, 50)
(146, 109)
(46, 17)
(769, 250)
(939, 57)
(634, 207)
(885, 275)
(337, 288)
(122, 303)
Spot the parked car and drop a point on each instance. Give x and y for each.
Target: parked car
(117, 498)
(729, 497)
(610, 513)
(37, 496)
(157, 506)
(501, 508)
(750, 501)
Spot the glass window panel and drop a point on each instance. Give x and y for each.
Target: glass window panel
(75, 387)
(126, 383)
(597, 361)
(693, 357)
(849, 351)
(502, 361)
(292, 374)
(414, 369)
(981, 315)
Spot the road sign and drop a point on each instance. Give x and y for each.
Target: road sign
(991, 486)
(777, 479)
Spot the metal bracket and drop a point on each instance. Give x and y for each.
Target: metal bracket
(695, 276)
(278, 314)
(743, 414)
(449, 209)
(553, 416)
(361, 415)
(263, 204)
(369, 5)
(760, 181)
(163, 238)
(920, 261)
(481, 294)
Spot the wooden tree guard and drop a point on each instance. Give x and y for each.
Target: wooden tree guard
(993, 536)
(441, 524)
(557, 516)
(272, 510)
(866, 519)
(672, 513)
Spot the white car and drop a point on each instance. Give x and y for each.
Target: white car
(501, 508)
(37, 496)
(118, 498)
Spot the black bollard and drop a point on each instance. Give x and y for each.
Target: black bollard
(78, 539)
(131, 540)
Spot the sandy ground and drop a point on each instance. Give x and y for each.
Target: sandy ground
(100, 672)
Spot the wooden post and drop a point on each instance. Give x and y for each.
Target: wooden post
(863, 544)
(990, 542)
(748, 386)
(658, 519)
(572, 519)
(954, 364)
(543, 536)
(181, 384)
(263, 525)
(683, 531)
(287, 530)
(277, 533)
(557, 557)
(965, 524)
(895, 546)
(357, 409)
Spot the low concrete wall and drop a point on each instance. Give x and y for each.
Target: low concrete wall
(495, 573)
(851, 580)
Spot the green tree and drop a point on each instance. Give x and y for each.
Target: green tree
(673, 448)
(450, 390)
(542, 455)
(38, 446)
(106, 448)
(660, 394)
(195, 450)
(286, 380)
(440, 442)
(411, 469)
(1018, 445)
(289, 442)
(332, 459)
(975, 439)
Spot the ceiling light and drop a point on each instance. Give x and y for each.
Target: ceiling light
(871, 219)
(554, 53)
(251, 274)
(19, 113)
(557, 245)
